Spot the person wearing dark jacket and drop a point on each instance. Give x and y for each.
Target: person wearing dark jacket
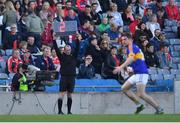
(151, 58)
(86, 69)
(68, 72)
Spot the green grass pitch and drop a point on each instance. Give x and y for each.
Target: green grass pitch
(91, 118)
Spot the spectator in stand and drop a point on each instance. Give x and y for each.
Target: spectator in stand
(151, 57)
(84, 30)
(86, 69)
(25, 5)
(152, 25)
(14, 61)
(59, 14)
(96, 17)
(143, 43)
(22, 28)
(32, 47)
(172, 10)
(165, 58)
(113, 32)
(35, 27)
(104, 25)
(55, 60)
(86, 15)
(112, 61)
(72, 16)
(142, 31)
(23, 47)
(134, 24)
(94, 50)
(139, 7)
(44, 62)
(11, 38)
(10, 16)
(155, 41)
(46, 36)
(128, 16)
(32, 7)
(117, 18)
(17, 6)
(105, 5)
(27, 58)
(122, 4)
(45, 11)
(105, 49)
(81, 4)
(148, 15)
(68, 7)
(161, 16)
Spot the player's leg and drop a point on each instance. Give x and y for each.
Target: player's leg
(142, 94)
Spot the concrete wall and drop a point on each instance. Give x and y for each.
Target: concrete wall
(86, 103)
(83, 103)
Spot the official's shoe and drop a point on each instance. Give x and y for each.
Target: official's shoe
(69, 113)
(61, 113)
(139, 109)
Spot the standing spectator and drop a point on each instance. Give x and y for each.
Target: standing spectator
(139, 7)
(105, 5)
(122, 4)
(68, 73)
(128, 16)
(172, 10)
(95, 15)
(81, 4)
(71, 16)
(117, 19)
(18, 9)
(45, 11)
(35, 27)
(14, 61)
(148, 15)
(152, 25)
(10, 16)
(25, 5)
(86, 69)
(105, 49)
(151, 57)
(59, 14)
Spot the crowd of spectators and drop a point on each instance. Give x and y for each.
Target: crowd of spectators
(27, 29)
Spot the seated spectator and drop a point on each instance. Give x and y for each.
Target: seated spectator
(13, 62)
(86, 69)
(104, 25)
(68, 7)
(44, 62)
(139, 7)
(59, 14)
(55, 60)
(134, 24)
(172, 10)
(161, 16)
(84, 30)
(11, 38)
(150, 56)
(81, 4)
(165, 58)
(117, 18)
(23, 47)
(94, 50)
(113, 32)
(152, 25)
(122, 4)
(112, 61)
(105, 49)
(71, 16)
(128, 16)
(142, 31)
(155, 41)
(32, 46)
(148, 15)
(143, 43)
(96, 17)
(27, 58)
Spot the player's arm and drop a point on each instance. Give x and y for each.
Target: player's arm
(128, 61)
